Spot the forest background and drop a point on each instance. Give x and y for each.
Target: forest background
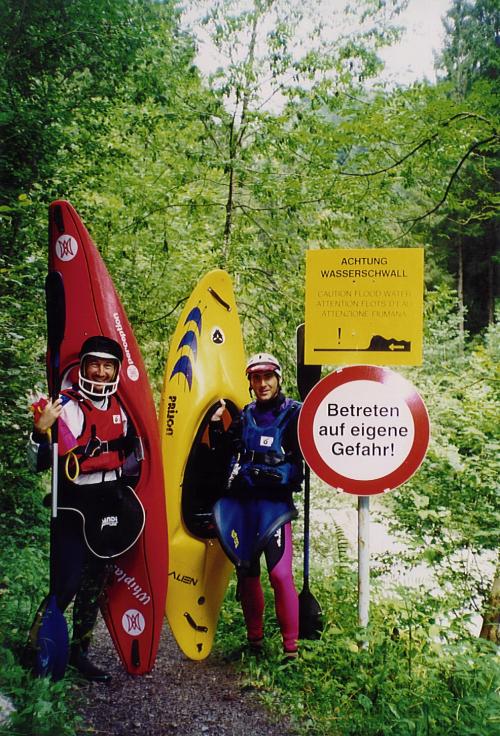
(175, 174)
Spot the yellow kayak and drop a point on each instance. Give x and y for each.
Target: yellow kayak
(206, 362)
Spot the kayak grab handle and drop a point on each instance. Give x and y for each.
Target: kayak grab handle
(135, 657)
(219, 298)
(193, 623)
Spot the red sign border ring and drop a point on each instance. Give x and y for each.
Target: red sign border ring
(403, 389)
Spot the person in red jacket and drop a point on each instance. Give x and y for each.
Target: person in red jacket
(91, 472)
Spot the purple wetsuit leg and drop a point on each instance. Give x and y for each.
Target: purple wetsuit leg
(252, 604)
(279, 561)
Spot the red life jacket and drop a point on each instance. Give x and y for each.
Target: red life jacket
(102, 441)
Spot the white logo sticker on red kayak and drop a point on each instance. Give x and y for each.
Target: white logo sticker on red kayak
(66, 247)
(132, 372)
(133, 622)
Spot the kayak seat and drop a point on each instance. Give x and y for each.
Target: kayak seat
(204, 478)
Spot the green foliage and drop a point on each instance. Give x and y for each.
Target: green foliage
(409, 681)
(53, 64)
(42, 707)
(23, 583)
(468, 234)
(449, 509)
(21, 368)
(471, 44)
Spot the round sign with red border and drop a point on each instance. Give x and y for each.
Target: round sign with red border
(364, 429)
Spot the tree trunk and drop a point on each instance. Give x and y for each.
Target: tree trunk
(490, 629)
(460, 285)
(236, 142)
(492, 270)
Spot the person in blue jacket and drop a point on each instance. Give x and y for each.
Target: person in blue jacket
(265, 468)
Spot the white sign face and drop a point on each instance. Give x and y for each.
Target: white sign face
(362, 430)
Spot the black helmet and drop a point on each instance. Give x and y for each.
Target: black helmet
(103, 347)
(100, 347)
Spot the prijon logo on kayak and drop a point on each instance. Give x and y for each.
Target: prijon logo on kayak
(187, 579)
(132, 370)
(132, 585)
(171, 412)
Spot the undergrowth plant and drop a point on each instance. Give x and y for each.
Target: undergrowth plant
(42, 707)
(414, 678)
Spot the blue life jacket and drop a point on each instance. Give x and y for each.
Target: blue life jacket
(263, 463)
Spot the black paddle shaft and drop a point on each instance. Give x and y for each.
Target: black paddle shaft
(310, 615)
(49, 642)
(307, 378)
(56, 324)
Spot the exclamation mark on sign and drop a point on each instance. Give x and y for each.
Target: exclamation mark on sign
(339, 331)
(392, 449)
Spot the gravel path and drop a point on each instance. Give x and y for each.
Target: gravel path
(178, 697)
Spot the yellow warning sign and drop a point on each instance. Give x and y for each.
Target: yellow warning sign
(364, 305)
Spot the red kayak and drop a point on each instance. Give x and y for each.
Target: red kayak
(135, 598)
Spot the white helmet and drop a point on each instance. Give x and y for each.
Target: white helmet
(263, 362)
(99, 347)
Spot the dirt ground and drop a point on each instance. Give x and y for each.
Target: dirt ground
(178, 697)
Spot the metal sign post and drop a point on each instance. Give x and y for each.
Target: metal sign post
(363, 562)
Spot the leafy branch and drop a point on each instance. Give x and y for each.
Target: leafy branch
(454, 174)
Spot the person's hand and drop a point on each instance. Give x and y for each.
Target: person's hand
(217, 415)
(49, 414)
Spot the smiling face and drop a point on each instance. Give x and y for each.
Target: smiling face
(264, 384)
(100, 371)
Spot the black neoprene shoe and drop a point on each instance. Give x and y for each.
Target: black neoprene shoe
(256, 647)
(88, 670)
